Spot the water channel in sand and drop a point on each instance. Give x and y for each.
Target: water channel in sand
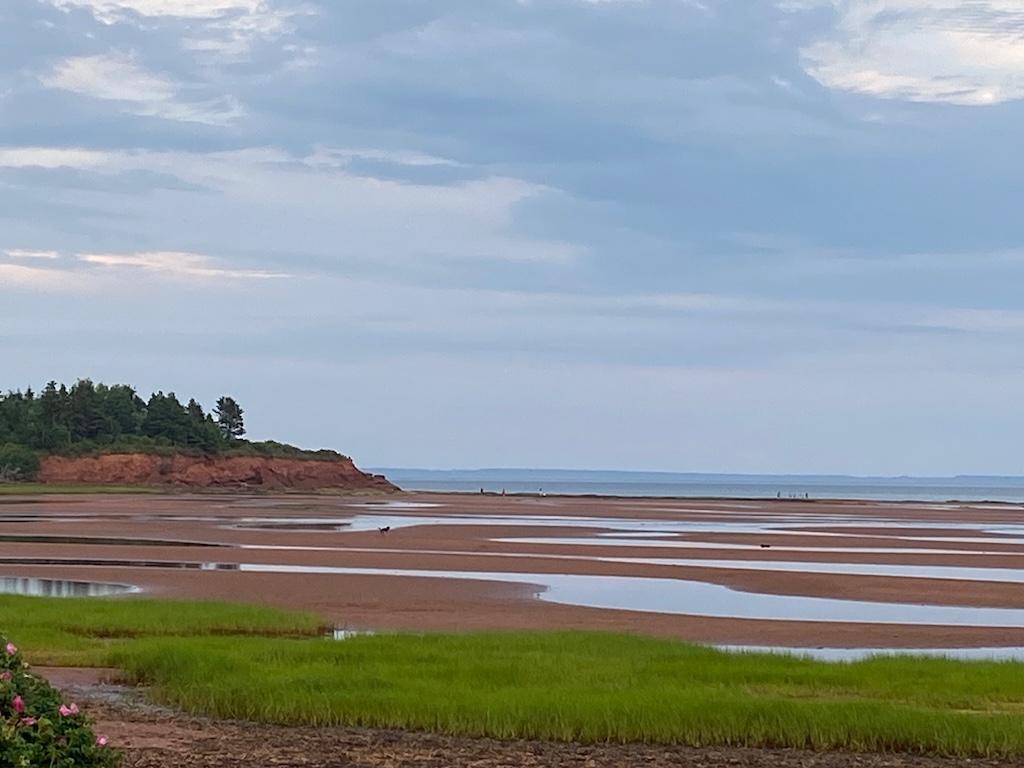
(328, 538)
(32, 587)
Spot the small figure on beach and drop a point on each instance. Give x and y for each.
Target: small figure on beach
(384, 530)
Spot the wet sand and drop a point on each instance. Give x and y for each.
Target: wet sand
(459, 533)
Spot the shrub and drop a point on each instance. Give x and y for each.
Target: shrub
(37, 729)
(272, 449)
(17, 462)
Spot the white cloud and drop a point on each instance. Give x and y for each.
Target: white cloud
(333, 157)
(21, 276)
(972, 320)
(226, 27)
(115, 271)
(234, 35)
(50, 157)
(21, 253)
(119, 77)
(327, 213)
(947, 51)
(111, 11)
(175, 264)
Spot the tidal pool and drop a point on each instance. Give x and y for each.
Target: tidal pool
(32, 587)
(847, 655)
(953, 572)
(695, 598)
(644, 541)
(114, 541)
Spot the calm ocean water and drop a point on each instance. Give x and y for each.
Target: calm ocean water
(661, 484)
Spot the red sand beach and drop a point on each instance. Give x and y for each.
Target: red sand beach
(468, 533)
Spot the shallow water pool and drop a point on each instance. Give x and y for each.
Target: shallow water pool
(33, 587)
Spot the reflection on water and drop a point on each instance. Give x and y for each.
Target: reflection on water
(110, 563)
(12, 585)
(768, 531)
(695, 598)
(950, 572)
(295, 526)
(633, 593)
(638, 541)
(114, 541)
(860, 654)
(339, 633)
(399, 504)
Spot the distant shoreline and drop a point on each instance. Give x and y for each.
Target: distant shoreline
(619, 484)
(759, 499)
(639, 475)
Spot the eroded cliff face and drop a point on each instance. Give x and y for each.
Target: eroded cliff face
(210, 472)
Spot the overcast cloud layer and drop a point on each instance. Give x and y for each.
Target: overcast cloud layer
(708, 235)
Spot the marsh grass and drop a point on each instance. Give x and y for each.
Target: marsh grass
(83, 631)
(592, 688)
(268, 665)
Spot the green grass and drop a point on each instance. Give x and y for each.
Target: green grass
(592, 688)
(83, 632)
(568, 686)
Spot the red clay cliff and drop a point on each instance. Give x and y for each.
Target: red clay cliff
(210, 472)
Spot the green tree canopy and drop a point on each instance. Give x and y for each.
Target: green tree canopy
(90, 417)
(229, 418)
(87, 416)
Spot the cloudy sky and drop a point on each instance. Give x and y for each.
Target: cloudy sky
(708, 235)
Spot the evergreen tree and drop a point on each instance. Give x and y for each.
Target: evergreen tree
(166, 418)
(203, 431)
(85, 419)
(124, 409)
(54, 433)
(230, 418)
(88, 417)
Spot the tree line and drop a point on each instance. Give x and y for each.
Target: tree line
(89, 416)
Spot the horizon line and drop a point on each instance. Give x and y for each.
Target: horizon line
(687, 473)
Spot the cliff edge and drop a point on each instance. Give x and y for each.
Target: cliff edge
(210, 472)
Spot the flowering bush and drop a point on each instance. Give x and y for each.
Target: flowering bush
(37, 729)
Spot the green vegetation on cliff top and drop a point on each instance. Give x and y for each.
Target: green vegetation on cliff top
(87, 419)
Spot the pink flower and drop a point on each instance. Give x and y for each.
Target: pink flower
(27, 721)
(11, 649)
(6, 676)
(65, 710)
(101, 741)
(19, 704)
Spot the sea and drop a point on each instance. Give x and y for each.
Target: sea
(696, 485)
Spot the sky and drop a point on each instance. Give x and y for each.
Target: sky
(685, 235)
